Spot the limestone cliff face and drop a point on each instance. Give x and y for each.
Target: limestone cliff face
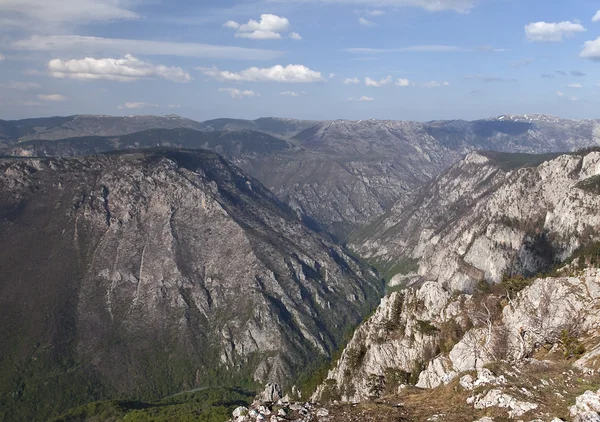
(157, 271)
(488, 215)
(429, 338)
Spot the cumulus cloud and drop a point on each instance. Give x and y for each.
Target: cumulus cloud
(362, 99)
(436, 84)
(126, 69)
(552, 32)
(331, 75)
(365, 22)
(402, 82)
(239, 94)
(293, 73)
(137, 105)
(174, 106)
(2, 57)
(52, 97)
(596, 17)
(576, 86)
(379, 83)
(351, 81)
(591, 50)
(269, 27)
(98, 45)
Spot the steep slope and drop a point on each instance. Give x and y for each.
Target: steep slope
(481, 235)
(52, 128)
(490, 214)
(144, 273)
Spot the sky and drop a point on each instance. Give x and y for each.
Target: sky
(308, 59)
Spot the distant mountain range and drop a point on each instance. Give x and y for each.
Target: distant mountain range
(342, 174)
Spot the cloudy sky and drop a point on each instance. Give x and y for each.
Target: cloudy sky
(316, 59)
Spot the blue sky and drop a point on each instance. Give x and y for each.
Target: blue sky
(310, 59)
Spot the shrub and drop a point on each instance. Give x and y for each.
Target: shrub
(331, 391)
(376, 385)
(426, 328)
(571, 344)
(356, 356)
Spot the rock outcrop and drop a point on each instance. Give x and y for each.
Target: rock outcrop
(489, 215)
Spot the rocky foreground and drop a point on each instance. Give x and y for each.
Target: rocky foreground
(534, 391)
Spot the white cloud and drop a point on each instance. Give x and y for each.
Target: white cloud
(52, 97)
(36, 14)
(292, 93)
(331, 75)
(97, 45)
(22, 86)
(596, 17)
(591, 50)
(363, 98)
(378, 84)
(231, 25)
(563, 96)
(239, 94)
(552, 32)
(126, 69)
(269, 27)
(137, 105)
(365, 22)
(2, 57)
(351, 81)
(293, 73)
(402, 82)
(374, 13)
(435, 84)
(576, 86)
(174, 106)
(522, 63)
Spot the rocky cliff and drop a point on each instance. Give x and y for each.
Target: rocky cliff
(478, 234)
(490, 214)
(145, 273)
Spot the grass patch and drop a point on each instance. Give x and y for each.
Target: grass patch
(389, 270)
(512, 161)
(591, 185)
